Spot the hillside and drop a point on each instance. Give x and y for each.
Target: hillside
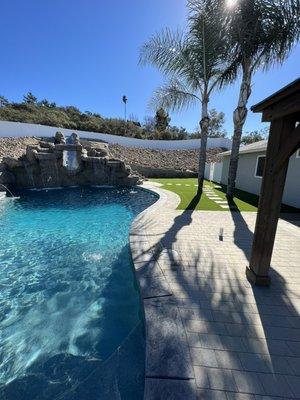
(70, 117)
(180, 160)
(165, 159)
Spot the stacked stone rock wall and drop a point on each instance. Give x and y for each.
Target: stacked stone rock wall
(43, 165)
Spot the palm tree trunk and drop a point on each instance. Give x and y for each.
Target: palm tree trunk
(204, 123)
(239, 118)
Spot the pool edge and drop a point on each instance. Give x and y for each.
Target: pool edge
(163, 373)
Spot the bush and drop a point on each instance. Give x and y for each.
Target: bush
(45, 113)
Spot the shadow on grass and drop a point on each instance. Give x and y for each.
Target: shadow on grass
(253, 199)
(194, 202)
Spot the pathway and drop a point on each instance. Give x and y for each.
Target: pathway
(209, 192)
(210, 334)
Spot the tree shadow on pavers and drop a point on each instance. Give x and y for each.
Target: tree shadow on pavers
(168, 356)
(239, 336)
(272, 324)
(243, 236)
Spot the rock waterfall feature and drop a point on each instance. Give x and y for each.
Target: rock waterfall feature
(65, 163)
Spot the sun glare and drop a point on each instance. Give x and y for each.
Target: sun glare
(231, 3)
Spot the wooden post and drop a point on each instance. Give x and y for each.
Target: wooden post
(269, 203)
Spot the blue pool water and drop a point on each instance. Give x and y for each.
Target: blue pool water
(71, 325)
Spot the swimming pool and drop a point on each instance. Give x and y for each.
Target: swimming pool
(71, 322)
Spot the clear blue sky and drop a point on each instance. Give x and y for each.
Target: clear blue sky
(85, 53)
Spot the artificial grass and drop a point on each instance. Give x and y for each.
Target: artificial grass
(187, 191)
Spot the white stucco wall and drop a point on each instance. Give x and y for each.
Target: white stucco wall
(213, 172)
(18, 129)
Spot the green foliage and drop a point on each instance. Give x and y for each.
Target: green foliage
(3, 102)
(255, 136)
(45, 113)
(262, 32)
(215, 127)
(29, 98)
(162, 119)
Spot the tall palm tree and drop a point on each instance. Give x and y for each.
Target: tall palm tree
(262, 33)
(194, 64)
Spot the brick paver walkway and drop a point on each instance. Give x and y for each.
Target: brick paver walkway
(210, 334)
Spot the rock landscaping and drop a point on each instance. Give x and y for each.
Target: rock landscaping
(180, 160)
(63, 163)
(144, 162)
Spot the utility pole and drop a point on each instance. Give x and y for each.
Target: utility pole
(124, 99)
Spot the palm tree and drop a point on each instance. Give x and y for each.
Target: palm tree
(194, 64)
(262, 33)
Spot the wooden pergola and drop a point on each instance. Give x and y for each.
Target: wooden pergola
(282, 109)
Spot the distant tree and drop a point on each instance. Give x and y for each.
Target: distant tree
(215, 127)
(3, 102)
(149, 123)
(178, 133)
(216, 122)
(162, 120)
(44, 103)
(29, 98)
(134, 119)
(46, 113)
(254, 136)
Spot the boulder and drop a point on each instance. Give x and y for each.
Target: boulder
(102, 150)
(12, 162)
(6, 178)
(70, 147)
(74, 138)
(31, 152)
(3, 167)
(59, 138)
(47, 145)
(46, 156)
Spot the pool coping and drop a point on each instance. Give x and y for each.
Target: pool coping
(168, 366)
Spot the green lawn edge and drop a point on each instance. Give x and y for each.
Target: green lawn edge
(186, 189)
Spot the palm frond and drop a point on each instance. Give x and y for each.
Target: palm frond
(174, 95)
(209, 36)
(163, 50)
(281, 28)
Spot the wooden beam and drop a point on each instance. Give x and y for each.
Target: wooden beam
(287, 106)
(269, 203)
(290, 146)
(287, 91)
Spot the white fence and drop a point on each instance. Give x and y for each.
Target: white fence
(18, 129)
(213, 172)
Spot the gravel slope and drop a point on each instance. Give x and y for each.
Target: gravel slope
(181, 160)
(169, 159)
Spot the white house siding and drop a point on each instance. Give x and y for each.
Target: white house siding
(291, 195)
(247, 181)
(18, 129)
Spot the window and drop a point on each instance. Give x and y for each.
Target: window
(298, 154)
(260, 166)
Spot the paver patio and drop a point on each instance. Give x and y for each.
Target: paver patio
(210, 334)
